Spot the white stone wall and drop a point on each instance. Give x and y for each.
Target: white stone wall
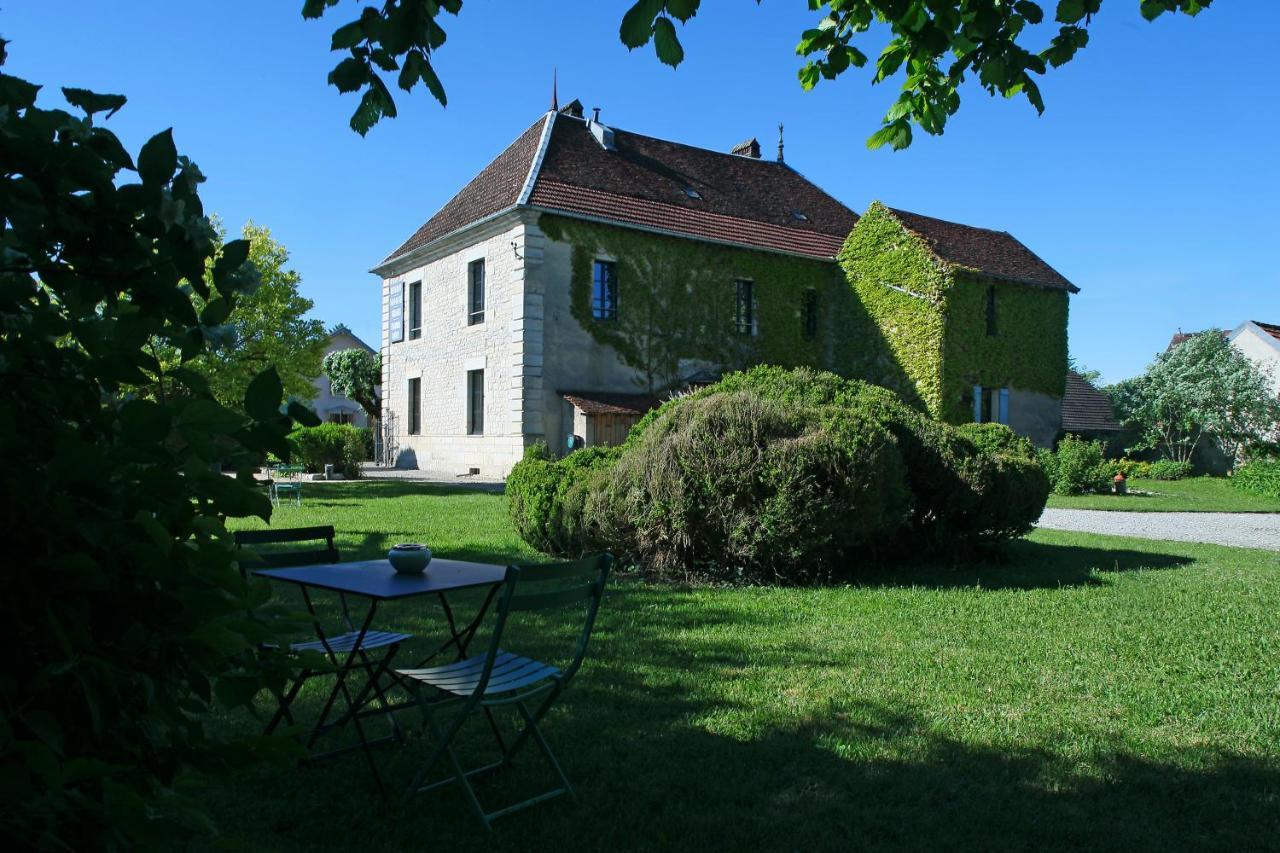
(1262, 351)
(572, 360)
(507, 346)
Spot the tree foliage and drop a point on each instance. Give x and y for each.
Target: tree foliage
(1203, 387)
(934, 47)
(355, 374)
(267, 328)
(122, 614)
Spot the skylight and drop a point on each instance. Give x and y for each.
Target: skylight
(798, 216)
(692, 193)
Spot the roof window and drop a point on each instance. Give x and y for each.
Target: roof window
(692, 193)
(798, 216)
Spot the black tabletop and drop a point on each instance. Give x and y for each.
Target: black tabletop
(376, 578)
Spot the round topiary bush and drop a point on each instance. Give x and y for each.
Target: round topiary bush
(546, 498)
(735, 486)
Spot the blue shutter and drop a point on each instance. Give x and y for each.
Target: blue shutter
(1004, 405)
(395, 313)
(977, 404)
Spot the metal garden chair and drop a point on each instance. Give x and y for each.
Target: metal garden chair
(500, 678)
(286, 481)
(348, 642)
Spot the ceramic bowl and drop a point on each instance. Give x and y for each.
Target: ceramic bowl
(409, 559)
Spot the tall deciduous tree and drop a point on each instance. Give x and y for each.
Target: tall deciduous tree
(934, 47)
(355, 373)
(267, 328)
(1203, 387)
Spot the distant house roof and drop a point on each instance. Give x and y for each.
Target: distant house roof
(996, 254)
(1270, 328)
(1181, 337)
(1086, 409)
(341, 329)
(558, 165)
(609, 403)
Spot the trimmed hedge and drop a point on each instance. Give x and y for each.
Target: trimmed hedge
(778, 475)
(1161, 469)
(1260, 477)
(339, 445)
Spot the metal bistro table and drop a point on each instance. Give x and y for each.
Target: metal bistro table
(377, 581)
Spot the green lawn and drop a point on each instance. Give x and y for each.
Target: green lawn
(1083, 692)
(1198, 494)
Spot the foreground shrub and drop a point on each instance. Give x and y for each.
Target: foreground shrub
(782, 475)
(734, 486)
(339, 445)
(1077, 467)
(1260, 478)
(124, 617)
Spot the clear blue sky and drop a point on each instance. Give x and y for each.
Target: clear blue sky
(1151, 181)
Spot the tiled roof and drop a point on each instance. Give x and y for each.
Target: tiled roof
(997, 254)
(609, 403)
(1270, 328)
(1085, 408)
(691, 191)
(496, 187)
(1180, 336)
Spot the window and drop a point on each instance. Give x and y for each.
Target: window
(475, 402)
(990, 405)
(415, 406)
(604, 291)
(342, 418)
(809, 314)
(991, 311)
(745, 314)
(415, 310)
(475, 292)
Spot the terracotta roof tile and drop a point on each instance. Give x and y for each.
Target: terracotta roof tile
(997, 254)
(496, 187)
(1270, 328)
(610, 403)
(1085, 408)
(647, 182)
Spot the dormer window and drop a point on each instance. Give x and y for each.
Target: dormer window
(692, 193)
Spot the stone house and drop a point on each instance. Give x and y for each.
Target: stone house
(330, 407)
(588, 270)
(1260, 342)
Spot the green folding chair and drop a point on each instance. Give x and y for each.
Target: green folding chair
(287, 484)
(499, 678)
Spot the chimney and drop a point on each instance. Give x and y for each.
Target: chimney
(596, 117)
(750, 148)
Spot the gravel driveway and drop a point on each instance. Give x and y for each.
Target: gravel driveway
(1244, 529)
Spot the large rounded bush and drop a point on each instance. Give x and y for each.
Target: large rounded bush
(782, 475)
(732, 485)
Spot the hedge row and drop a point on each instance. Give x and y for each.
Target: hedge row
(1260, 477)
(339, 445)
(1078, 467)
(781, 476)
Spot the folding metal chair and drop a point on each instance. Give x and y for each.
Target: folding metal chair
(349, 642)
(286, 481)
(500, 678)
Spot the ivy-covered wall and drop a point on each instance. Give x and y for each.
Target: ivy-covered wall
(889, 312)
(1028, 350)
(931, 324)
(677, 300)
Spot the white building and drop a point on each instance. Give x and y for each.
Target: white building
(1260, 342)
(330, 407)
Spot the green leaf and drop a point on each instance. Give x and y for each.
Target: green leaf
(303, 414)
(347, 36)
(158, 158)
(350, 74)
(637, 24)
(262, 397)
(1070, 11)
(666, 43)
(683, 10)
(896, 134)
(1031, 11)
(92, 102)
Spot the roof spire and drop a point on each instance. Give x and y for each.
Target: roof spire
(555, 101)
(780, 160)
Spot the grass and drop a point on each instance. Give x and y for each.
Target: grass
(1197, 494)
(1083, 692)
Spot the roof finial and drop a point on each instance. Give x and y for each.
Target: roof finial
(555, 101)
(780, 142)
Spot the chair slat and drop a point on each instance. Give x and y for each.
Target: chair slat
(284, 534)
(556, 598)
(534, 572)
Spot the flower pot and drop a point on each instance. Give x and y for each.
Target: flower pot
(409, 559)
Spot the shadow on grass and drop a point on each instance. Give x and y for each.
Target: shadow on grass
(371, 488)
(1024, 565)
